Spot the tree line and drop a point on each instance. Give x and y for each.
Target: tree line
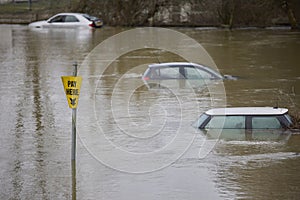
(228, 13)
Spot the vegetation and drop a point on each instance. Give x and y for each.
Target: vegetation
(286, 99)
(295, 115)
(227, 13)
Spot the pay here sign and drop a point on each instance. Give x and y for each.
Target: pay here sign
(72, 89)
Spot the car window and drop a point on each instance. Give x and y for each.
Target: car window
(195, 73)
(226, 122)
(71, 18)
(168, 73)
(265, 122)
(60, 18)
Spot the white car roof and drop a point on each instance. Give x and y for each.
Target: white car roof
(247, 111)
(69, 14)
(75, 14)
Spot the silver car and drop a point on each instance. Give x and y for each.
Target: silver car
(180, 74)
(179, 70)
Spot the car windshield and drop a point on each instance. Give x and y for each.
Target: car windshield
(200, 121)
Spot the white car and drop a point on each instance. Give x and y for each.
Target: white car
(244, 118)
(69, 20)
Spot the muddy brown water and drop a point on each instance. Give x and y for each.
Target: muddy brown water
(136, 141)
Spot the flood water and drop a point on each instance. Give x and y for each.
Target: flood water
(136, 141)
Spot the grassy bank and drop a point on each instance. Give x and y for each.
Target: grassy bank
(24, 13)
(22, 8)
(51, 6)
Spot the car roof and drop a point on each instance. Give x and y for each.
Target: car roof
(75, 14)
(65, 13)
(247, 111)
(173, 64)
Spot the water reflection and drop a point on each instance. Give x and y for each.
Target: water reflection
(27, 103)
(248, 135)
(31, 100)
(197, 85)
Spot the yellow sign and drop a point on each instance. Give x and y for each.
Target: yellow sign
(72, 89)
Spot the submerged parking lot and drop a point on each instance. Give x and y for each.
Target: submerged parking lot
(118, 107)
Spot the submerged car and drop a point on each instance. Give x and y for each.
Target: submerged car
(69, 20)
(245, 118)
(180, 75)
(180, 70)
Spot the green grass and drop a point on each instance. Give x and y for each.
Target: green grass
(11, 8)
(36, 6)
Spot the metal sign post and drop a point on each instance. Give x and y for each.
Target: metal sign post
(74, 113)
(72, 89)
(73, 151)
